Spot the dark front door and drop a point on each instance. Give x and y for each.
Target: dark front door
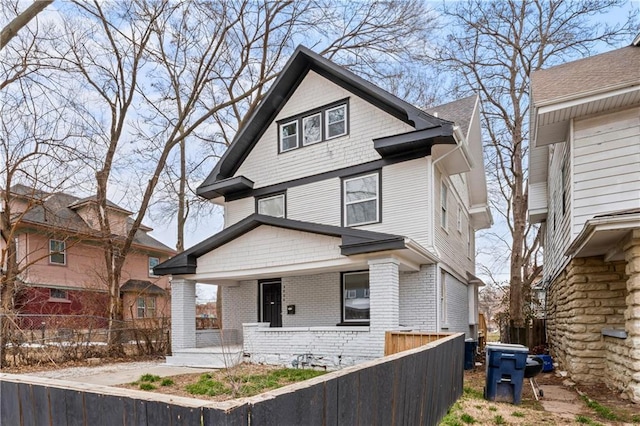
(271, 302)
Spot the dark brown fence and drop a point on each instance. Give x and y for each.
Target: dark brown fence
(414, 387)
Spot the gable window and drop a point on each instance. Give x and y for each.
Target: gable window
(443, 205)
(153, 262)
(57, 252)
(361, 199)
(146, 307)
(272, 206)
(288, 136)
(312, 128)
(355, 296)
(56, 293)
(336, 121)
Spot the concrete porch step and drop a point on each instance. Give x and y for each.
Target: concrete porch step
(209, 357)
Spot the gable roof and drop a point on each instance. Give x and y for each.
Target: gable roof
(459, 111)
(354, 241)
(57, 210)
(303, 60)
(596, 74)
(140, 286)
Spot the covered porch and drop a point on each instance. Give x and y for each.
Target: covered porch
(296, 293)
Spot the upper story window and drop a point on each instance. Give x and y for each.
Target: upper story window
(153, 262)
(57, 252)
(444, 193)
(273, 205)
(361, 197)
(321, 124)
(459, 219)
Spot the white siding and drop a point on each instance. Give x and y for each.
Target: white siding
(268, 246)
(452, 244)
(558, 235)
(317, 202)
(607, 165)
(235, 211)
(264, 166)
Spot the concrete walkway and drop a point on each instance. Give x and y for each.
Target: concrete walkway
(561, 401)
(117, 374)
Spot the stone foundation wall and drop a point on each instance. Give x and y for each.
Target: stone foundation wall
(588, 296)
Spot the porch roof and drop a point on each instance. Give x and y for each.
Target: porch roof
(354, 241)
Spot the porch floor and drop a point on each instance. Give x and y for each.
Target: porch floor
(207, 357)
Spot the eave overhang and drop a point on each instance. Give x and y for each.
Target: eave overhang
(233, 185)
(602, 235)
(418, 140)
(481, 217)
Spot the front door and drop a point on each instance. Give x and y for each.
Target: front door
(271, 302)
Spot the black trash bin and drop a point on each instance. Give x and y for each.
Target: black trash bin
(505, 372)
(470, 346)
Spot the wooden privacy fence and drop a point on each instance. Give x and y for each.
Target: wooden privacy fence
(398, 341)
(414, 387)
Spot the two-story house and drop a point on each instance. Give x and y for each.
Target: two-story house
(348, 212)
(61, 260)
(584, 188)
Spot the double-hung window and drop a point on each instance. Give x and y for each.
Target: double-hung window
(361, 197)
(153, 262)
(336, 119)
(312, 129)
(272, 205)
(443, 205)
(146, 307)
(288, 135)
(57, 252)
(355, 296)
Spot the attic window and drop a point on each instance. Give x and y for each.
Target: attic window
(314, 126)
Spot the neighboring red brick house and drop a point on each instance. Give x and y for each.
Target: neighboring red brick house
(62, 261)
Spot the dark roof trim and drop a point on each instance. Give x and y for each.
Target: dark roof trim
(354, 241)
(302, 60)
(140, 286)
(412, 141)
(234, 185)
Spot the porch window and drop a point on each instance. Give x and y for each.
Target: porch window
(361, 199)
(272, 206)
(289, 136)
(355, 296)
(147, 307)
(57, 252)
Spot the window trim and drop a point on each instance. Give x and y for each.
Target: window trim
(145, 306)
(282, 194)
(299, 119)
(444, 195)
(151, 274)
(346, 120)
(62, 252)
(459, 219)
(378, 174)
(352, 322)
(444, 311)
(281, 139)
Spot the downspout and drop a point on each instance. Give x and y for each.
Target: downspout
(459, 137)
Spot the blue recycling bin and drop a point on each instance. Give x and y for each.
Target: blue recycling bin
(505, 372)
(470, 346)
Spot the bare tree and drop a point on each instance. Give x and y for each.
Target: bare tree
(21, 20)
(494, 47)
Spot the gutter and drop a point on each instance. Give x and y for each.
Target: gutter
(461, 145)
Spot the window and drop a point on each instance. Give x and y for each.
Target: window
(336, 121)
(469, 234)
(443, 205)
(57, 252)
(288, 136)
(272, 206)
(361, 200)
(355, 299)
(56, 293)
(312, 128)
(146, 307)
(153, 262)
(443, 298)
(459, 222)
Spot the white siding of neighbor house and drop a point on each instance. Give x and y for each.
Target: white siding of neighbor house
(317, 202)
(235, 211)
(255, 249)
(457, 306)
(607, 165)
(450, 243)
(558, 227)
(240, 305)
(316, 298)
(264, 166)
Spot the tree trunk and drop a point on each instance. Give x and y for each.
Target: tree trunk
(12, 28)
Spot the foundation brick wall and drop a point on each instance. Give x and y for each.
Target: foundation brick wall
(587, 297)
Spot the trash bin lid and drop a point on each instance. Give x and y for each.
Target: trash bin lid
(507, 347)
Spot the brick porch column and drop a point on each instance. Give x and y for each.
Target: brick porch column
(632, 313)
(183, 314)
(384, 297)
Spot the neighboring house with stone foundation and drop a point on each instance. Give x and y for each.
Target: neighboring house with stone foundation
(584, 190)
(348, 212)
